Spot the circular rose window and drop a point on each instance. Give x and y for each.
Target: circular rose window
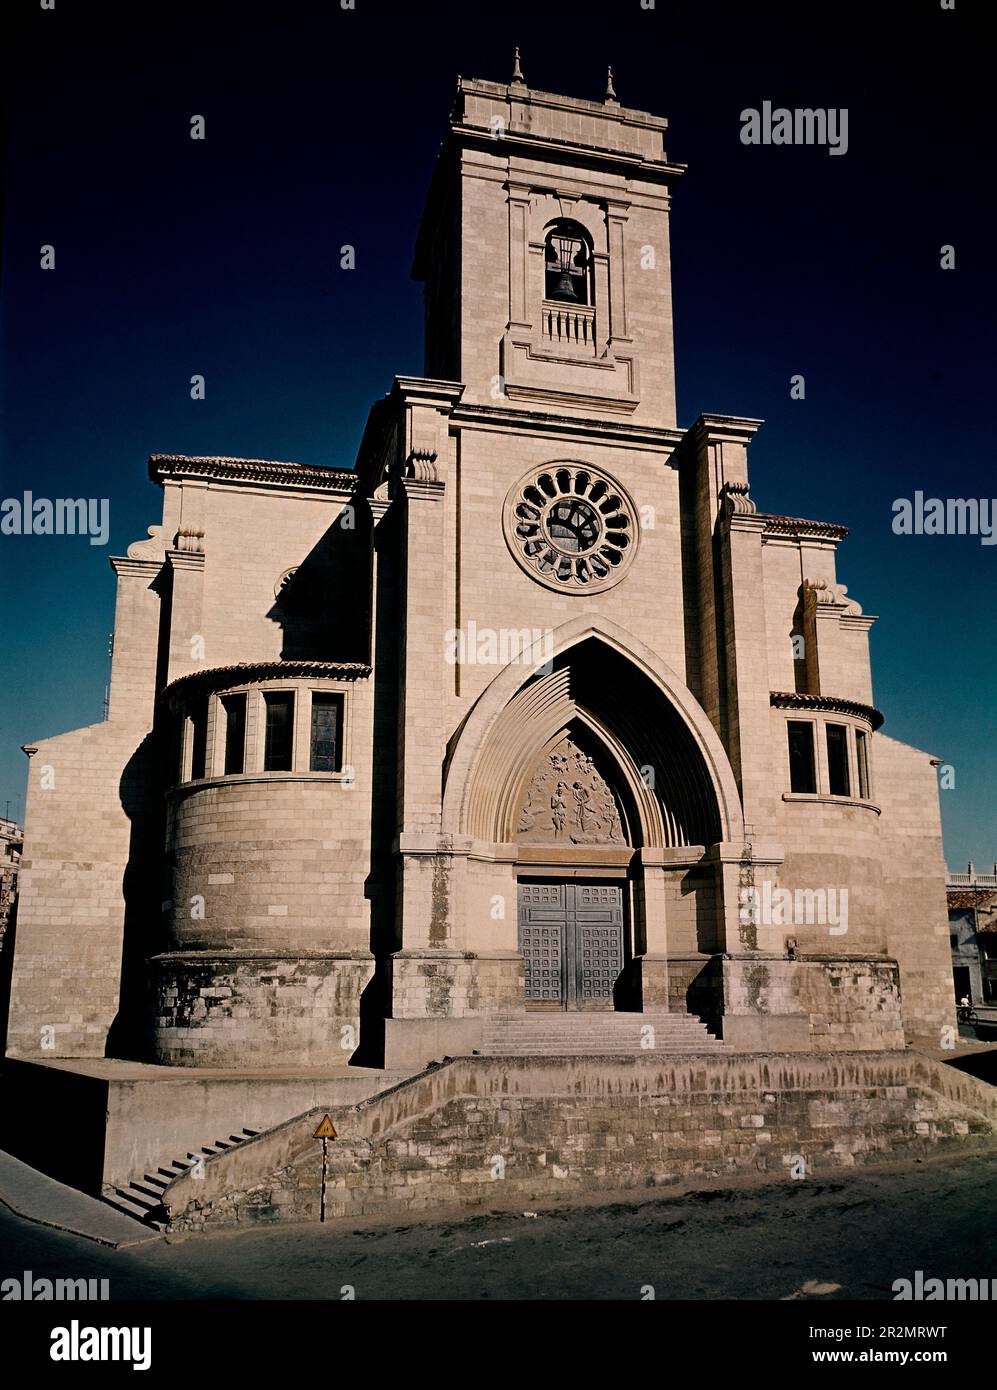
(571, 527)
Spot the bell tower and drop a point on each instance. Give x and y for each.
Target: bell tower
(544, 254)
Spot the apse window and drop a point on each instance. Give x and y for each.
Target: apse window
(279, 738)
(176, 750)
(838, 780)
(234, 709)
(802, 773)
(327, 733)
(862, 762)
(199, 739)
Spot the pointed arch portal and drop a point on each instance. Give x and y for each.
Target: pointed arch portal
(584, 773)
(672, 773)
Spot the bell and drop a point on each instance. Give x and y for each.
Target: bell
(565, 289)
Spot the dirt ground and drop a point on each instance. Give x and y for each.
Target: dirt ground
(846, 1238)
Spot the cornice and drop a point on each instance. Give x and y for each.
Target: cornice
(235, 471)
(544, 146)
(127, 564)
(789, 699)
(802, 529)
(711, 429)
(470, 413)
(253, 672)
(521, 92)
(427, 390)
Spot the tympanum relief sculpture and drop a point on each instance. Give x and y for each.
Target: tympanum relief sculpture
(569, 802)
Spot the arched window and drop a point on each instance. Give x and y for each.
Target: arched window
(568, 264)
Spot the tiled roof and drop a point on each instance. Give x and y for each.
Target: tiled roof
(800, 526)
(984, 899)
(791, 699)
(270, 471)
(250, 672)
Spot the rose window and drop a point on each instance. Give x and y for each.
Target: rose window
(571, 527)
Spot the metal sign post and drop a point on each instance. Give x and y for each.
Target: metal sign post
(325, 1132)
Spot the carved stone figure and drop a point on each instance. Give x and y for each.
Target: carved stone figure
(569, 802)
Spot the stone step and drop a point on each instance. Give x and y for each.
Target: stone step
(605, 1050)
(595, 1034)
(620, 1034)
(606, 1025)
(572, 1031)
(120, 1202)
(593, 1025)
(606, 1039)
(143, 1197)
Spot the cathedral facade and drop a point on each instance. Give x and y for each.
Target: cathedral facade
(529, 720)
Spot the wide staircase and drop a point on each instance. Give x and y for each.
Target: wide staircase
(596, 1035)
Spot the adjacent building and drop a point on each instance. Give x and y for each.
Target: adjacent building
(972, 904)
(11, 843)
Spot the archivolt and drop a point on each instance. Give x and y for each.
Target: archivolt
(677, 777)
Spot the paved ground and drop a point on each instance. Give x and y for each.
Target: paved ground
(26, 1192)
(858, 1233)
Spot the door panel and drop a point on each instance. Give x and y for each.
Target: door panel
(598, 942)
(541, 940)
(571, 937)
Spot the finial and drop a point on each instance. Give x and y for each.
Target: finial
(518, 80)
(610, 97)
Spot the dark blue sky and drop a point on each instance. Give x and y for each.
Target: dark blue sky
(221, 257)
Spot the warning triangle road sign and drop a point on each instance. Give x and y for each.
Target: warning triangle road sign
(326, 1130)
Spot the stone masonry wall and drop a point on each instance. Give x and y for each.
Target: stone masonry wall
(914, 906)
(852, 1005)
(87, 876)
(482, 1132)
(228, 1011)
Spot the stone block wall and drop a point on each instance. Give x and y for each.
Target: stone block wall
(850, 1004)
(229, 1011)
(450, 984)
(275, 861)
(485, 1132)
(914, 906)
(89, 875)
(497, 596)
(238, 615)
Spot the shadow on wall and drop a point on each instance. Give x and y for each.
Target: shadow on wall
(32, 1092)
(324, 611)
(380, 887)
(7, 975)
(141, 791)
(323, 604)
(704, 998)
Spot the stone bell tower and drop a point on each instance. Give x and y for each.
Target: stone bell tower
(544, 253)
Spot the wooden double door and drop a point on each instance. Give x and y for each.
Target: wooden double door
(571, 938)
